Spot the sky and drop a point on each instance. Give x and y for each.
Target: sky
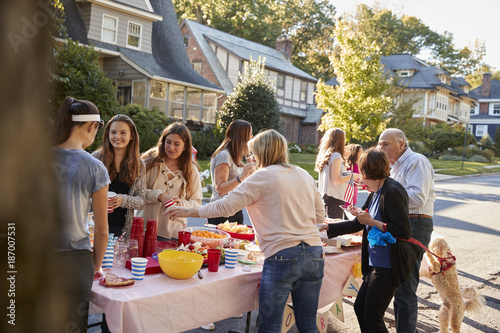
(465, 19)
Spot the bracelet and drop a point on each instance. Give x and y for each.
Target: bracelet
(238, 179)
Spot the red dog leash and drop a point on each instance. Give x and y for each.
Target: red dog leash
(446, 262)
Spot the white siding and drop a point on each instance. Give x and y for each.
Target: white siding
(233, 69)
(310, 93)
(296, 90)
(222, 56)
(419, 104)
(138, 3)
(112, 67)
(288, 87)
(94, 31)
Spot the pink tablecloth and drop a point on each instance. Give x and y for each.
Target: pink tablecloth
(161, 304)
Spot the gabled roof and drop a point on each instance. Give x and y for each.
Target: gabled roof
(424, 75)
(494, 91)
(169, 58)
(241, 48)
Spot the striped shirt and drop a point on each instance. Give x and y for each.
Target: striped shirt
(416, 174)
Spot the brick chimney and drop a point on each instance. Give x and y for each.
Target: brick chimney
(486, 85)
(284, 44)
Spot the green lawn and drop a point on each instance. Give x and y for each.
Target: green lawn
(455, 167)
(306, 161)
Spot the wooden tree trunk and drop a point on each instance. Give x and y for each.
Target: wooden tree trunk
(28, 195)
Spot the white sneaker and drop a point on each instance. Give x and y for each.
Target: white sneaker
(209, 327)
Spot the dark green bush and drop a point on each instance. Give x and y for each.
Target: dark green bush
(149, 122)
(206, 142)
(449, 157)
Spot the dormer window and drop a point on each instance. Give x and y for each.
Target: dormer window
(404, 74)
(109, 29)
(134, 35)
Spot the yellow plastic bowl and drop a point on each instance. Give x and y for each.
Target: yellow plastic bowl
(180, 264)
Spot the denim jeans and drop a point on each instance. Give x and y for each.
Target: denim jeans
(405, 297)
(298, 270)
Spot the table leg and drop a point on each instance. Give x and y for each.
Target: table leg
(247, 328)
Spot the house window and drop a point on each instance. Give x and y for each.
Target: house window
(481, 130)
(209, 107)
(281, 81)
(158, 95)
(175, 101)
(109, 29)
(496, 109)
(303, 91)
(474, 110)
(139, 92)
(124, 92)
(134, 35)
(197, 66)
(404, 74)
(193, 104)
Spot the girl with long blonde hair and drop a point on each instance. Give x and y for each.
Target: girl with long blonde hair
(333, 177)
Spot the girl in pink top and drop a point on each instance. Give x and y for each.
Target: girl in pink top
(353, 151)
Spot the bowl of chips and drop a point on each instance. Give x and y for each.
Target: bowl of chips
(209, 238)
(239, 231)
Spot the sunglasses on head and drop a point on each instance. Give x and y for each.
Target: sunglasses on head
(100, 124)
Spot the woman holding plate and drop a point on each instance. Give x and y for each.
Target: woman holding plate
(383, 265)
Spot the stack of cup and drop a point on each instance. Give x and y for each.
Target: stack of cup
(150, 239)
(139, 267)
(137, 233)
(231, 256)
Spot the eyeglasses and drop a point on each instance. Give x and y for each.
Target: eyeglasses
(100, 124)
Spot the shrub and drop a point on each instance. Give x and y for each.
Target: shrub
(479, 159)
(206, 141)
(149, 122)
(469, 152)
(448, 157)
(294, 148)
(308, 148)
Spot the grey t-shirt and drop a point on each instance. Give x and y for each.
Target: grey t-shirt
(79, 175)
(234, 170)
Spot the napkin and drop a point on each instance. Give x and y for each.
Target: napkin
(377, 237)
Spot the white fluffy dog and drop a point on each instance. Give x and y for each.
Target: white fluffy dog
(443, 274)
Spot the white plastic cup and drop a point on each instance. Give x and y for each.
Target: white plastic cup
(111, 195)
(231, 257)
(211, 227)
(139, 268)
(243, 254)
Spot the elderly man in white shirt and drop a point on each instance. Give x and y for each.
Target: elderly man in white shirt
(416, 174)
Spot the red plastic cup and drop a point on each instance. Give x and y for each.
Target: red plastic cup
(111, 194)
(168, 203)
(184, 237)
(213, 259)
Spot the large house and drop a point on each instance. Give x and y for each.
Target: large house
(142, 51)
(485, 117)
(440, 98)
(219, 57)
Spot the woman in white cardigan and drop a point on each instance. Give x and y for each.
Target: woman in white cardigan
(284, 206)
(171, 173)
